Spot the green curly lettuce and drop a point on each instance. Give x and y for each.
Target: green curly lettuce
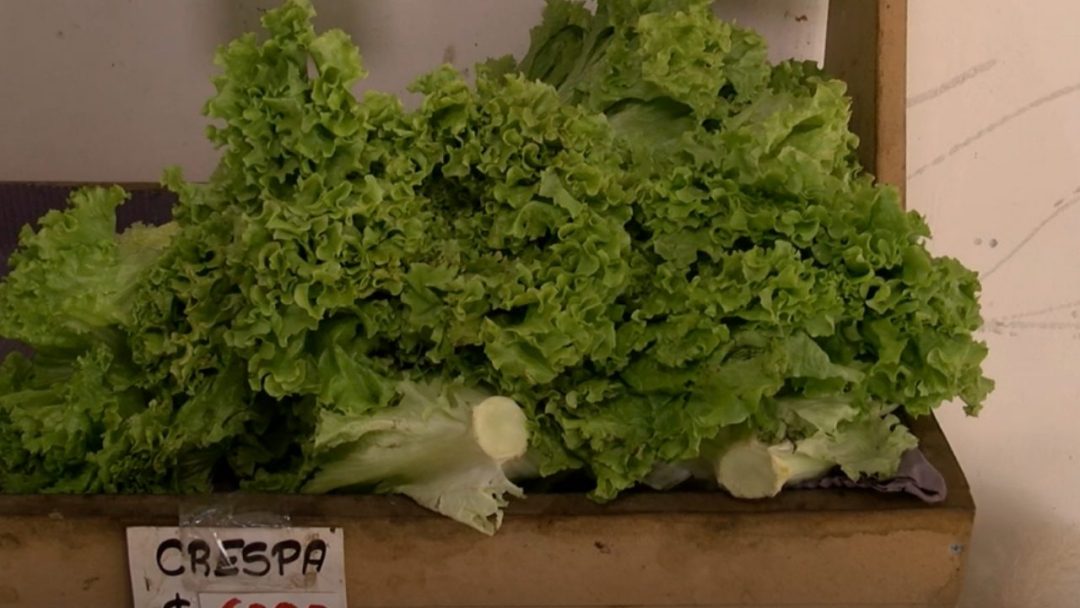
(656, 242)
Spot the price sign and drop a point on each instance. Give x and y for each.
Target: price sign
(237, 567)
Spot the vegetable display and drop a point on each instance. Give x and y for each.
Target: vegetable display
(642, 252)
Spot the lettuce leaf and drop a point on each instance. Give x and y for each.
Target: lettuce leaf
(71, 280)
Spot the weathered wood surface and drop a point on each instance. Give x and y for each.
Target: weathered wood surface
(866, 46)
(804, 548)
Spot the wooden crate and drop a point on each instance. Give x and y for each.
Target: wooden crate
(805, 548)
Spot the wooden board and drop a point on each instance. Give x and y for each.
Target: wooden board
(866, 46)
(804, 548)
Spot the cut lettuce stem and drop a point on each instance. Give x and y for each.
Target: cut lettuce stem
(444, 447)
(751, 469)
(500, 428)
(746, 468)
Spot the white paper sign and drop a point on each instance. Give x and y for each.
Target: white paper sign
(237, 567)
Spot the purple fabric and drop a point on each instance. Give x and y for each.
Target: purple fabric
(916, 476)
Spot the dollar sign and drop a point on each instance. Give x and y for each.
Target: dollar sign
(177, 602)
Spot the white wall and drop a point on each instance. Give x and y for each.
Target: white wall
(994, 161)
(111, 90)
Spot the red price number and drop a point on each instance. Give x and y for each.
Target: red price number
(239, 603)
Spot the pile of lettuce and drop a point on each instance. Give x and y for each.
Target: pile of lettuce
(642, 252)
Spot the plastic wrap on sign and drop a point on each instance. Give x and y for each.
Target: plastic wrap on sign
(237, 567)
(231, 511)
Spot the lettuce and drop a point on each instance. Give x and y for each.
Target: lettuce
(768, 265)
(656, 242)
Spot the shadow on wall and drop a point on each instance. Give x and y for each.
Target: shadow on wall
(1022, 557)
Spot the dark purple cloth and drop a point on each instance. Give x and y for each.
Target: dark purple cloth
(916, 476)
